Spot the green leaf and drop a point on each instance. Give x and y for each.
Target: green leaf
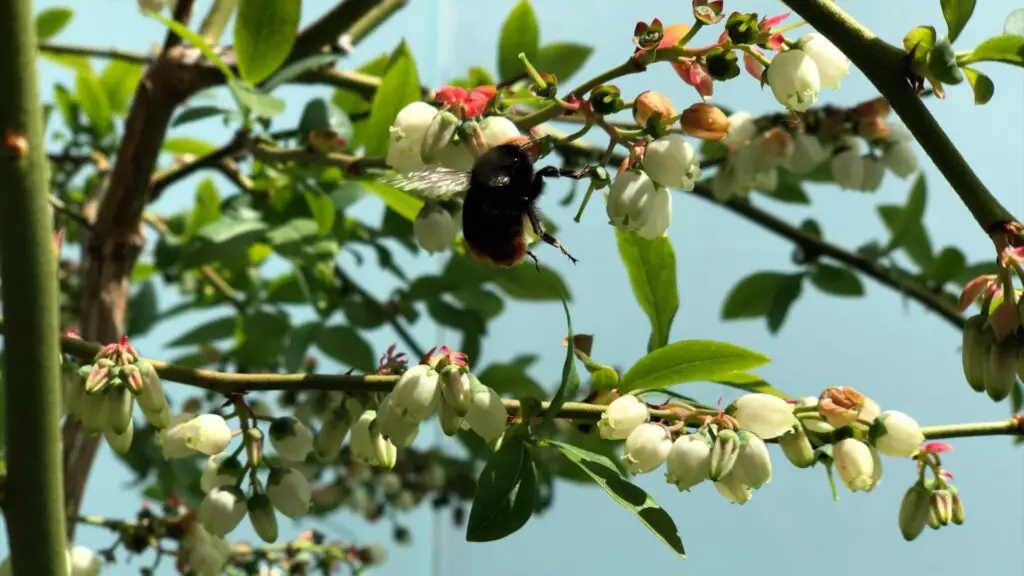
(1008, 49)
(225, 240)
(981, 84)
(689, 361)
(195, 40)
(949, 264)
(506, 493)
(300, 338)
(300, 238)
(185, 145)
(836, 280)
(510, 377)
(399, 87)
(917, 244)
(298, 68)
(519, 33)
(912, 215)
(206, 209)
(93, 100)
(143, 311)
(563, 59)
(322, 209)
(197, 113)
(211, 331)
(630, 496)
(1014, 24)
(920, 42)
(51, 21)
(320, 114)
(787, 293)
(752, 296)
(263, 338)
(957, 13)
(570, 377)
(264, 34)
(263, 105)
(651, 266)
(750, 383)
(347, 346)
(120, 80)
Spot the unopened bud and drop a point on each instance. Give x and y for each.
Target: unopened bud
(914, 511)
(704, 121)
(942, 503)
(858, 464)
(97, 379)
(1001, 368)
(119, 409)
(450, 421)
(132, 378)
(873, 128)
(723, 454)
(722, 64)
(875, 107)
(254, 446)
(439, 133)
(958, 506)
(649, 103)
(262, 518)
(455, 389)
(797, 447)
(974, 352)
(688, 460)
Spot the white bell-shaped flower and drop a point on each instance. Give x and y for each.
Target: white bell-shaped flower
(487, 414)
(794, 80)
(262, 518)
(406, 137)
(623, 415)
(858, 464)
(497, 130)
(646, 448)
(222, 509)
(120, 443)
(291, 439)
(848, 166)
(399, 430)
(733, 490)
(753, 467)
(84, 562)
(900, 159)
(671, 161)
(207, 433)
(416, 393)
(832, 64)
(289, 491)
(434, 228)
(220, 470)
(763, 414)
(896, 434)
(688, 460)
(742, 128)
(808, 153)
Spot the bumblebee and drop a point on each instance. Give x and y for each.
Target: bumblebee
(501, 192)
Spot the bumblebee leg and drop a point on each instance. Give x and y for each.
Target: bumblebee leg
(536, 262)
(538, 229)
(555, 172)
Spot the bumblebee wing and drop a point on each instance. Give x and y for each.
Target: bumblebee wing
(433, 183)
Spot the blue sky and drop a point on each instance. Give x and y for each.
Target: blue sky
(896, 352)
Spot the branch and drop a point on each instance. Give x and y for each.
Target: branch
(341, 20)
(884, 65)
(239, 383)
(96, 52)
(161, 180)
(33, 508)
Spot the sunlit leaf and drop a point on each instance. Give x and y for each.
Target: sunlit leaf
(265, 31)
(519, 34)
(689, 361)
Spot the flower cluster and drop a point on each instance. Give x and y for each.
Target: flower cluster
(453, 137)
(841, 427)
(796, 75)
(639, 197)
(758, 147)
(104, 394)
(933, 502)
(993, 340)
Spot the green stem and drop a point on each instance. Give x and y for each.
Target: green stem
(217, 20)
(884, 66)
(374, 18)
(756, 55)
(1011, 427)
(34, 489)
(690, 33)
(590, 189)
